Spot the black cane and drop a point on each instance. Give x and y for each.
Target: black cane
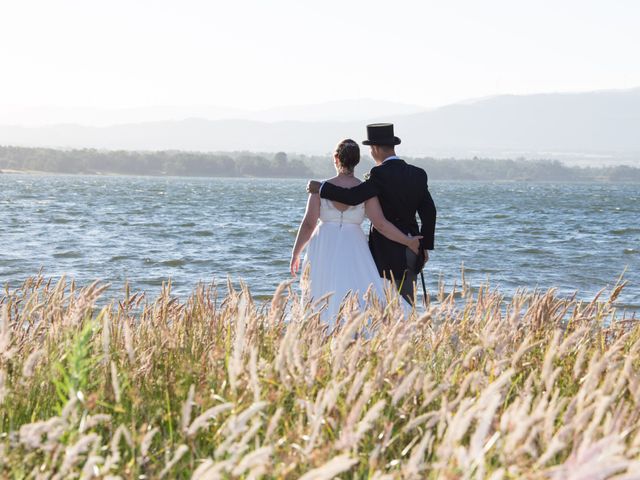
(424, 290)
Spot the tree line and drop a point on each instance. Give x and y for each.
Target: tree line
(170, 163)
(523, 170)
(283, 165)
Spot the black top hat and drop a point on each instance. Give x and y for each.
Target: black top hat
(381, 134)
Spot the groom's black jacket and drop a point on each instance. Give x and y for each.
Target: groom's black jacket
(402, 190)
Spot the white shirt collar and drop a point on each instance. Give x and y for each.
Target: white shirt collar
(392, 157)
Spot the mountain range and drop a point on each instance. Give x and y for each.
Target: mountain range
(592, 127)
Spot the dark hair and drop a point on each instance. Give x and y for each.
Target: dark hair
(348, 153)
(386, 148)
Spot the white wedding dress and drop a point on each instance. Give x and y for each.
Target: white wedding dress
(339, 260)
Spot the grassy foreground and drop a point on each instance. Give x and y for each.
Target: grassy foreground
(540, 387)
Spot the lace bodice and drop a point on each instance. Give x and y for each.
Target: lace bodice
(330, 214)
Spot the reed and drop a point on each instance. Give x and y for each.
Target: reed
(475, 387)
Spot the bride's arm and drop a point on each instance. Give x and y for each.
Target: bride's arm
(385, 227)
(307, 226)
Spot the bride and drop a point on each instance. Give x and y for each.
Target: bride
(338, 256)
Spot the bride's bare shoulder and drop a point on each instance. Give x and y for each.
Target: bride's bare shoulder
(332, 180)
(344, 182)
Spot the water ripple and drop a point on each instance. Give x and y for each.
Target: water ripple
(575, 237)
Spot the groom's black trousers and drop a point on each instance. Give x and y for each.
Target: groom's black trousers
(408, 283)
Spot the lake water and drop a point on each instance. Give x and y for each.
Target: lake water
(575, 237)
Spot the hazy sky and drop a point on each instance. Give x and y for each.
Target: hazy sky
(257, 54)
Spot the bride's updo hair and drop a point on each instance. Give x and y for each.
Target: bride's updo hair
(348, 153)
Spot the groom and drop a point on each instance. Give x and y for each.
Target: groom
(402, 190)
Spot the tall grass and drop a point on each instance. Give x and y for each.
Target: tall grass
(537, 387)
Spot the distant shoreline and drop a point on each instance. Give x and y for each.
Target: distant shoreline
(248, 177)
(170, 163)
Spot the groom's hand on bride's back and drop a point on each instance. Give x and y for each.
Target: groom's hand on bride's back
(313, 186)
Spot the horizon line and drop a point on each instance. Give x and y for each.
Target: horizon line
(462, 100)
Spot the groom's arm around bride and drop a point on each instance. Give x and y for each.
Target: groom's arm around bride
(393, 196)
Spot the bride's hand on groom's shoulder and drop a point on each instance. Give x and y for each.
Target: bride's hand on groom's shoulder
(313, 186)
